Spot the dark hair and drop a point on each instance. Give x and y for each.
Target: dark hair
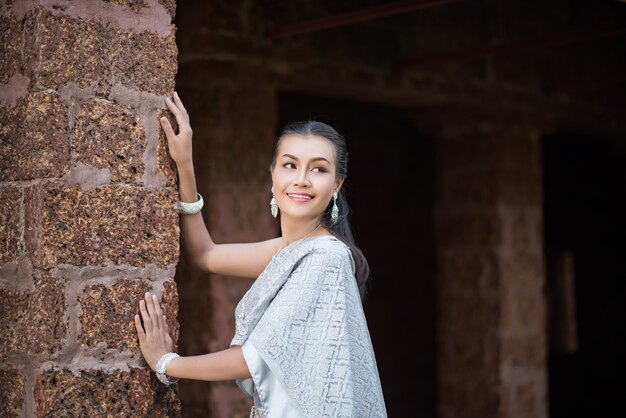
(341, 229)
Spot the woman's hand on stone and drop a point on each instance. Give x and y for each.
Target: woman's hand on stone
(154, 336)
(179, 145)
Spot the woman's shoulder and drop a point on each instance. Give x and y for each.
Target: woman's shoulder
(328, 244)
(329, 249)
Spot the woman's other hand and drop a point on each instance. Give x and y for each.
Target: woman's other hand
(179, 145)
(154, 336)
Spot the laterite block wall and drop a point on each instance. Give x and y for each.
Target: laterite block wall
(86, 197)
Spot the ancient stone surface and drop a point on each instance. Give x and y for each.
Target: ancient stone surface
(107, 314)
(524, 269)
(477, 229)
(468, 274)
(11, 393)
(10, 224)
(36, 127)
(470, 315)
(170, 6)
(32, 321)
(474, 356)
(114, 224)
(63, 50)
(469, 396)
(100, 393)
(84, 201)
(133, 62)
(10, 53)
(524, 352)
(169, 304)
(109, 135)
(134, 5)
(490, 305)
(87, 53)
(523, 310)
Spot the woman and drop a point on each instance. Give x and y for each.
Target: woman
(301, 348)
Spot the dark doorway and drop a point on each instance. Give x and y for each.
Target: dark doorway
(585, 208)
(390, 190)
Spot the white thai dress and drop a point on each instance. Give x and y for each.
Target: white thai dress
(304, 336)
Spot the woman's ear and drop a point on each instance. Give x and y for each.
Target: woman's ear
(339, 183)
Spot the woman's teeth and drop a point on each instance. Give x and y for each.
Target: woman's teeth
(300, 196)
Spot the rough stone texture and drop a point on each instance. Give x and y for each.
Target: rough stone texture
(11, 393)
(134, 5)
(170, 6)
(63, 50)
(10, 53)
(99, 393)
(32, 322)
(107, 314)
(133, 62)
(38, 127)
(89, 53)
(10, 233)
(87, 222)
(114, 224)
(169, 304)
(110, 136)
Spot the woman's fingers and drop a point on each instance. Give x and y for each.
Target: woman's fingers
(180, 105)
(167, 127)
(178, 113)
(140, 331)
(147, 323)
(152, 311)
(157, 310)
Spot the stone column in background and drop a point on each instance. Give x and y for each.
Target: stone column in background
(491, 343)
(86, 204)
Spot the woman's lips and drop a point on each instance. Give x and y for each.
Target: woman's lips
(300, 197)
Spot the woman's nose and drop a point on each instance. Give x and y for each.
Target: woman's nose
(302, 179)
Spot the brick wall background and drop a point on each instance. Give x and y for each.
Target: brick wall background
(87, 189)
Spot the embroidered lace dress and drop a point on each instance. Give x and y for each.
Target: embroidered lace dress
(304, 336)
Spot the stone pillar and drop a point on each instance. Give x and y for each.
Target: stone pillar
(491, 345)
(86, 196)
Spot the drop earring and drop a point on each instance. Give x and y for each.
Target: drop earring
(273, 205)
(334, 214)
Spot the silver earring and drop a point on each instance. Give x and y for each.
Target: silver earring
(273, 205)
(334, 214)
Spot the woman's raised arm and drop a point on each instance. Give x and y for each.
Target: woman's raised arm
(244, 260)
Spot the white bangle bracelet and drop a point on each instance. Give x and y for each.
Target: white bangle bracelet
(191, 208)
(161, 368)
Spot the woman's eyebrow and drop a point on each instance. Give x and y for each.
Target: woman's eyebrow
(293, 157)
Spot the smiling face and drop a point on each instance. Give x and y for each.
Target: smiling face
(304, 176)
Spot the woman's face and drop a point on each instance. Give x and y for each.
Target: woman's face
(304, 177)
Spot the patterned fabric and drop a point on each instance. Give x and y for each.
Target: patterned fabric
(305, 317)
(257, 413)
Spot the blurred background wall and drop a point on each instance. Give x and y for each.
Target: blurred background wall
(486, 181)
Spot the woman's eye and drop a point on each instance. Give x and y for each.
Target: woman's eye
(319, 169)
(289, 165)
